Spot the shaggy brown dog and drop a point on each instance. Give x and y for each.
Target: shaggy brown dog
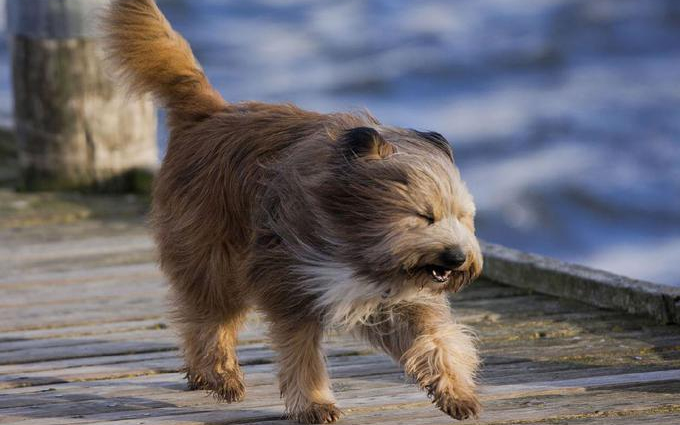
(317, 220)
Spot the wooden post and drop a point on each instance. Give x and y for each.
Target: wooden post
(75, 129)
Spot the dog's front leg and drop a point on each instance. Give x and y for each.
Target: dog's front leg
(303, 377)
(438, 353)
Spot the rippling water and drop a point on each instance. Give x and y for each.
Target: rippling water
(564, 114)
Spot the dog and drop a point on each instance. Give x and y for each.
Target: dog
(316, 220)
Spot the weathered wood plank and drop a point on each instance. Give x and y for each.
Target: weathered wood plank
(94, 347)
(77, 314)
(69, 314)
(106, 309)
(365, 366)
(126, 277)
(139, 336)
(595, 287)
(560, 400)
(54, 371)
(580, 349)
(86, 261)
(560, 345)
(76, 275)
(68, 249)
(98, 292)
(584, 350)
(78, 331)
(108, 348)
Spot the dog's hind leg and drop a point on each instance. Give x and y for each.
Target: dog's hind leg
(208, 308)
(303, 377)
(435, 351)
(210, 355)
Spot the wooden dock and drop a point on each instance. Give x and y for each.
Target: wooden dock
(84, 339)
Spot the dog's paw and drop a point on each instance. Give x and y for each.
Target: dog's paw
(228, 387)
(194, 381)
(459, 406)
(317, 414)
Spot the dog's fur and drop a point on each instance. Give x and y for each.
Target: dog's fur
(317, 220)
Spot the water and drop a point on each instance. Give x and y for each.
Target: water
(564, 114)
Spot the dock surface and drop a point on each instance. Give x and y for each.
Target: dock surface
(85, 339)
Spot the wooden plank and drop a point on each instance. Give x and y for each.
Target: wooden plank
(78, 314)
(595, 287)
(86, 350)
(381, 365)
(260, 352)
(78, 275)
(53, 292)
(140, 336)
(85, 261)
(556, 401)
(71, 314)
(88, 358)
(146, 387)
(594, 405)
(584, 383)
(99, 292)
(69, 249)
(79, 331)
(625, 346)
(66, 311)
(56, 217)
(370, 368)
(553, 349)
(253, 325)
(377, 369)
(588, 353)
(585, 351)
(649, 417)
(51, 371)
(172, 364)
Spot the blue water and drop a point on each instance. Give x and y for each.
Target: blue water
(564, 114)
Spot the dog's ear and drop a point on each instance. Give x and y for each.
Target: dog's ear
(437, 140)
(365, 142)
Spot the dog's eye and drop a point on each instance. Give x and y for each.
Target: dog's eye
(427, 217)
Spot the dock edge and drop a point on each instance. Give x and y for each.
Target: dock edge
(595, 287)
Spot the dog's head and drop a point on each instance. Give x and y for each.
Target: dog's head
(399, 211)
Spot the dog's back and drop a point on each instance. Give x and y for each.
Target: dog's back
(212, 172)
(207, 194)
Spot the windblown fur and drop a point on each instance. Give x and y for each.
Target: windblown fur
(316, 220)
(153, 58)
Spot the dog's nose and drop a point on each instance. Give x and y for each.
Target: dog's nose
(453, 258)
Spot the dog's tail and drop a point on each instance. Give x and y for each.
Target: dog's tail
(153, 58)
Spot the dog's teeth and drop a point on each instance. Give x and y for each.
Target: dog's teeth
(441, 276)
